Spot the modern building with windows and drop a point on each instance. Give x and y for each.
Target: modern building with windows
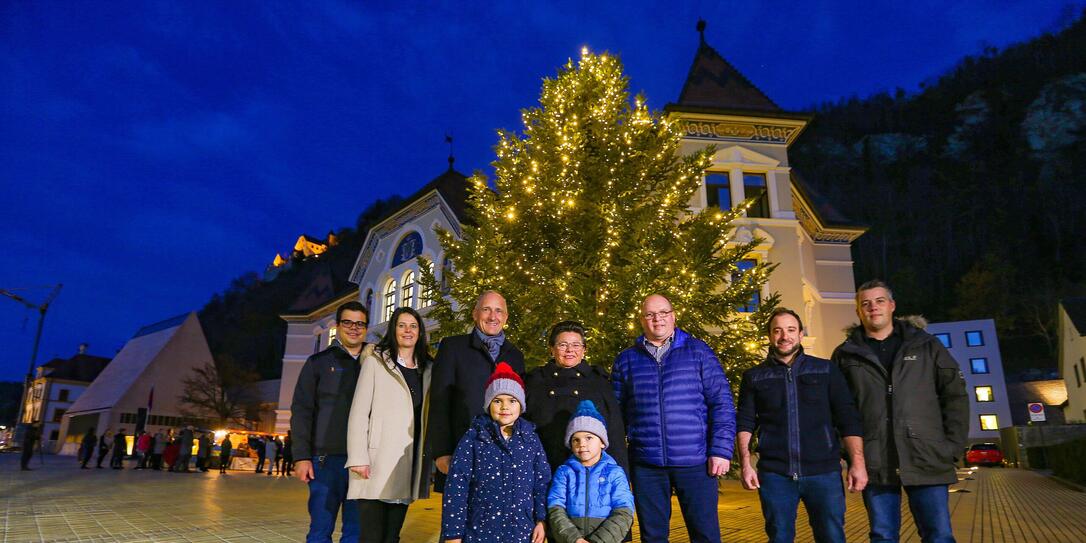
(798, 229)
(976, 348)
(1072, 345)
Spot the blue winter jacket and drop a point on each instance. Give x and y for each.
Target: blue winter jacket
(603, 485)
(699, 420)
(496, 489)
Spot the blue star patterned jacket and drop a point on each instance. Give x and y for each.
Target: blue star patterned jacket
(496, 490)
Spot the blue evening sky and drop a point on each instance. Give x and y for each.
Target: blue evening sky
(152, 151)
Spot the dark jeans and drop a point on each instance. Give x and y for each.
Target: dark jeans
(260, 464)
(327, 496)
(117, 460)
(823, 496)
(929, 505)
(101, 456)
(383, 521)
(156, 461)
(697, 493)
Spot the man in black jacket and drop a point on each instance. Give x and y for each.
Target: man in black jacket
(801, 407)
(463, 365)
(318, 423)
(911, 395)
(120, 448)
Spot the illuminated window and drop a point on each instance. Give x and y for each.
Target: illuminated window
(944, 339)
(754, 186)
(974, 338)
(390, 300)
(984, 394)
(718, 192)
(989, 422)
(978, 365)
(332, 333)
(407, 296)
(755, 299)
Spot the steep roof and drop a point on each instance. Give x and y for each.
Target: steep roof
(1076, 310)
(81, 367)
(324, 287)
(826, 212)
(136, 355)
(714, 83)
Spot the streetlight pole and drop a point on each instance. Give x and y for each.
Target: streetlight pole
(29, 379)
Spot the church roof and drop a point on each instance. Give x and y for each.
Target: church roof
(81, 367)
(713, 83)
(1076, 310)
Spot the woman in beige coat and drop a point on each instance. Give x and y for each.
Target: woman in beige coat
(386, 429)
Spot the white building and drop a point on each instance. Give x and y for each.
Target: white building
(976, 348)
(57, 385)
(717, 106)
(144, 381)
(1072, 334)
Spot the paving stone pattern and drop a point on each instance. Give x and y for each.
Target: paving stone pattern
(59, 503)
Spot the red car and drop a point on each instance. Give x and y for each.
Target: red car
(984, 453)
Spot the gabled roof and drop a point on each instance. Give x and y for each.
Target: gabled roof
(829, 215)
(115, 380)
(714, 83)
(81, 367)
(324, 287)
(1076, 310)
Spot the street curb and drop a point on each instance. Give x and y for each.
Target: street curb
(1065, 482)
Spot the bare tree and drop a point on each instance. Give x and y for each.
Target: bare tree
(221, 392)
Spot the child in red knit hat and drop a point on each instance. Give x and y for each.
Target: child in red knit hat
(497, 484)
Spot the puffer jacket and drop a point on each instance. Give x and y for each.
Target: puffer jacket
(496, 490)
(920, 407)
(593, 503)
(700, 420)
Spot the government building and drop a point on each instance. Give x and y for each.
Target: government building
(802, 233)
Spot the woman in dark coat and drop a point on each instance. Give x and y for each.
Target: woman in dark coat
(554, 390)
(224, 453)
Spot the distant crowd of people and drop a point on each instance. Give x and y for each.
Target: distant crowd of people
(172, 451)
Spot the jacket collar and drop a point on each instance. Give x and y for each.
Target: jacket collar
(677, 340)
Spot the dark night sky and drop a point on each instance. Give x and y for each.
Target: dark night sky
(151, 152)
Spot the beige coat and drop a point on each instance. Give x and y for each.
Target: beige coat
(381, 434)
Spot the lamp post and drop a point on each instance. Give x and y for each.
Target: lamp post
(20, 427)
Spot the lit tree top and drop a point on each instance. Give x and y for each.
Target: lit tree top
(589, 214)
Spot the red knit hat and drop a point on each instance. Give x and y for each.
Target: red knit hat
(504, 381)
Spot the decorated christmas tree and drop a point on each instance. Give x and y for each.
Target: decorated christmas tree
(588, 213)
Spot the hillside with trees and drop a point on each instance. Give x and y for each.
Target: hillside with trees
(973, 188)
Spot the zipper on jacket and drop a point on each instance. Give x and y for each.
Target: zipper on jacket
(792, 401)
(660, 397)
(587, 483)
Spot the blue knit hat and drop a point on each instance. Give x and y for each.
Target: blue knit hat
(587, 419)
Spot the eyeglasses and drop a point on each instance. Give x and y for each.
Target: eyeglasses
(658, 315)
(566, 346)
(354, 325)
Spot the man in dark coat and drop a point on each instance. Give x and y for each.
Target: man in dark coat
(30, 437)
(318, 422)
(911, 395)
(104, 443)
(86, 448)
(185, 449)
(120, 446)
(461, 369)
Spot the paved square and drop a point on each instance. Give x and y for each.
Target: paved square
(58, 503)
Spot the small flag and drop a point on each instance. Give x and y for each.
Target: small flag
(151, 398)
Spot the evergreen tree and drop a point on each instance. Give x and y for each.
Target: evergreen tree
(591, 214)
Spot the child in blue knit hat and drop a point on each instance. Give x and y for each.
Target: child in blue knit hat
(590, 498)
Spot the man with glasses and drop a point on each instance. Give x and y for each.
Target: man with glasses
(318, 425)
(680, 423)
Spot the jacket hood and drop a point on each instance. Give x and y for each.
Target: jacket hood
(485, 426)
(605, 460)
(906, 321)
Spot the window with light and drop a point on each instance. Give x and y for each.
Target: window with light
(989, 422)
(974, 338)
(390, 300)
(983, 394)
(744, 266)
(978, 365)
(407, 294)
(332, 333)
(426, 298)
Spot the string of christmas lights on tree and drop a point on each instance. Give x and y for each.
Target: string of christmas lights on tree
(589, 213)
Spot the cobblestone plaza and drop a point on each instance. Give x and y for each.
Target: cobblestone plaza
(59, 503)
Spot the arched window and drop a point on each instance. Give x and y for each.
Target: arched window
(446, 272)
(426, 299)
(407, 295)
(390, 299)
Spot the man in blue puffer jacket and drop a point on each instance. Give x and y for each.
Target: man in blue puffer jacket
(689, 444)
